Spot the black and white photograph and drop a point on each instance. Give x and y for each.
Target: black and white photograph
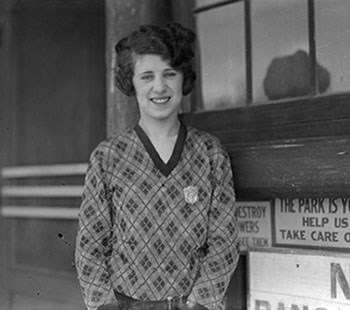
(174, 154)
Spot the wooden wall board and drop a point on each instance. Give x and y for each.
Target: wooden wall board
(294, 148)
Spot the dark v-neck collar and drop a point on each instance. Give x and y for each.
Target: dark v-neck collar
(164, 168)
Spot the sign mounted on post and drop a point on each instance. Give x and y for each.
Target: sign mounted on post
(254, 221)
(318, 222)
(303, 280)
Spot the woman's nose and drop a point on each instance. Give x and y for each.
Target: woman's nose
(159, 84)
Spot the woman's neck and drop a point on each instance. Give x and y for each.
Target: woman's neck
(160, 130)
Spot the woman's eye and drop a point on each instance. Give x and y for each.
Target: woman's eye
(146, 77)
(170, 74)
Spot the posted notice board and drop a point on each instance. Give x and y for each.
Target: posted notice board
(254, 221)
(303, 280)
(313, 222)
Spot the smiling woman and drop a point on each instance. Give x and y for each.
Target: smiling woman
(157, 223)
(159, 95)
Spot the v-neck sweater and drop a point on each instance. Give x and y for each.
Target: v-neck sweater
(164, 168)
(150, 230)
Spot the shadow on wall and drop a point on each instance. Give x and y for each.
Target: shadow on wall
(289, 76)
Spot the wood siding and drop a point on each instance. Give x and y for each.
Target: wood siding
(52, 112)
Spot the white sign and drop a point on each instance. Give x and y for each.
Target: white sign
(254, 220)
(318, 222)
(298, 281)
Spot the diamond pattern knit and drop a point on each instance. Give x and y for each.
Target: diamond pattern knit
(138, 235)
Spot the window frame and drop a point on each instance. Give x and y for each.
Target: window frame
(301, 117)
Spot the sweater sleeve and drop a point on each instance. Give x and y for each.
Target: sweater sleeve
(94, 236)
(221, 259)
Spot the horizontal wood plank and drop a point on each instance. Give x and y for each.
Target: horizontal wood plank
(282, 113)
(42, 191)
(39, 212)
(292, 168)
(43, 170)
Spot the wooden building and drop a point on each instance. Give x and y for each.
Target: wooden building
(273, 85)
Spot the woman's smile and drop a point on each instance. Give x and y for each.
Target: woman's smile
(160, 100)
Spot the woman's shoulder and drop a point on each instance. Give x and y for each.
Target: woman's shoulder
(204, 138)
(202, 142)
(115, 145)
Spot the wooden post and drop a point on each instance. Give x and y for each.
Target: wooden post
(6, 134)
(123, 16)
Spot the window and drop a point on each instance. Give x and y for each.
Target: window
(222, 57)
(333, 41)
(254, 52)
(279, 32)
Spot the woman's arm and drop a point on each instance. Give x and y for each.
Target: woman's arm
(219, 263)
(94, 234)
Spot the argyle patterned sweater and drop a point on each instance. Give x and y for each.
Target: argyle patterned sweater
(149, 229)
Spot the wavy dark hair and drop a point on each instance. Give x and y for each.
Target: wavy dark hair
(173, 42)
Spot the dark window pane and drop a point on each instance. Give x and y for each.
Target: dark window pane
(280, 49)
(222, 56)
(333, 43)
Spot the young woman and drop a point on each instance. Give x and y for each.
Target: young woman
(157, 220)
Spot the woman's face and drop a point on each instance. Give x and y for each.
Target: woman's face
(158, 88)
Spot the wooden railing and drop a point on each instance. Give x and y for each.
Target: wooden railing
(25, 184)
